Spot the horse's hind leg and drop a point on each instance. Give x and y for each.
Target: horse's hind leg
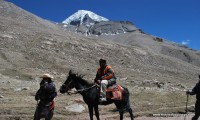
(90, 112)
(96, 109)
(131, 113)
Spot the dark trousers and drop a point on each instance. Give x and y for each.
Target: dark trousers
(197, 110)
(43, 111)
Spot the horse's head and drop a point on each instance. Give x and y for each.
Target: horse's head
(69, 83)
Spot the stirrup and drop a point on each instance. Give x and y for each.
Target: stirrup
(102, 99)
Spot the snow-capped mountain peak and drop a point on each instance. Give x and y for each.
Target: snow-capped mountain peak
(83, 16)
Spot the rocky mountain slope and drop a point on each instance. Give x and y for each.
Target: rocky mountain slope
(30, 44)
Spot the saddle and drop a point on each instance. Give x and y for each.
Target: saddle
(115, 92)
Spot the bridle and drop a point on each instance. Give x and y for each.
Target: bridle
(67, 87)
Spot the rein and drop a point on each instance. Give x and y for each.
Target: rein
(85, 89)
(81, 90)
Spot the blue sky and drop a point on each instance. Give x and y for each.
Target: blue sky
(174, 20)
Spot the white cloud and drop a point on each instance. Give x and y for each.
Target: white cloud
(186, 42)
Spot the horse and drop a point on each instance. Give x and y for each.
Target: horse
(90, 94)
(44, 110)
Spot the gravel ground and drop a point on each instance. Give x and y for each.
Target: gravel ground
(178, 117)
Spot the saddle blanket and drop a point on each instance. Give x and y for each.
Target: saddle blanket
(115, 92)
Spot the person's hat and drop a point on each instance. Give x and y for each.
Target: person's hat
(46, 75)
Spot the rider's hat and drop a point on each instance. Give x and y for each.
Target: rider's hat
(102, 61)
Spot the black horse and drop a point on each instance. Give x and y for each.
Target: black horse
(44, 110)
(91, 96)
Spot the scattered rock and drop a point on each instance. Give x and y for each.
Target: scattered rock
(25, 88)
(17, 89)
(1, 96)
(132, 81)
(48, 43)
(17, 77)
(158, 39)
(7, 36)
(123, 79)
(75, 108)
(181, 85)
(160, 84)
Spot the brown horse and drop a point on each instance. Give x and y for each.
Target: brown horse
(91, 96)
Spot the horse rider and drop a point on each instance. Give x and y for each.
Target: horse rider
(47, 91)
(105, 77)
(196, 90)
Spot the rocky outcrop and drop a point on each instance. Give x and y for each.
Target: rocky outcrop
(112, 27)
(184, 55)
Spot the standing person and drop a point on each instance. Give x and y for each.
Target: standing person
(196, 90)
(105, 77)
(46, 95)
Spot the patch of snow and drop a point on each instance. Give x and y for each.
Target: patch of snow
(79, 16)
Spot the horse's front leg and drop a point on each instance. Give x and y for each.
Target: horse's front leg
(90, 107)
(96, 109)
(121, 115)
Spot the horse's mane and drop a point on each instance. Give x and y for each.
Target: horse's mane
(79, 77)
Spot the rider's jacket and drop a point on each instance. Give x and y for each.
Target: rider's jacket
(106, 73)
